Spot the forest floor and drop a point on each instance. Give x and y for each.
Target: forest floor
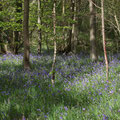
(81, 91)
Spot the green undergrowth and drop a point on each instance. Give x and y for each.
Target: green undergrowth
(80, 92)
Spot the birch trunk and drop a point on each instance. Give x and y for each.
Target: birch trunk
(39, 28)
(103, 37)
(54, 32)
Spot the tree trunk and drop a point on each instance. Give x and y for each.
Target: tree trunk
(26, 35)
(118, 29)
(46, 40)
(2, 45)
(63, 7)
(16, 42)
(93, 52)
(39, 28)
(0, 31)
(103, 37)
(63, 23)
(72, 36)
(54, 32)
(69, 41)
(17, 32)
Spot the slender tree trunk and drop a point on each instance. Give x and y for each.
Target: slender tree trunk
(103, 37)
(0, 31)
(69, 46)
(118, 29)
(26, 35)
(72, 36)
(2, 45)
(93, 52)
(46, 40)
(63, 34)
(54, 32)
(63, 7)
(17, 32)
(39, 28)
(73, 25)
(69, 41)
(0, 39)
(16, 41)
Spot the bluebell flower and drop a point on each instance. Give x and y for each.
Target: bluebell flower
(105, 117)
(61, 118)
(83, 109)
(45, 116)
(66, 108)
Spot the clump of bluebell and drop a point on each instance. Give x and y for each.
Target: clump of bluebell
(80, 90)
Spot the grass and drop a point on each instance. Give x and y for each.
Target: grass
(80, 91)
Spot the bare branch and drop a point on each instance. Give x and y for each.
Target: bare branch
(95, 5)
(117, 23)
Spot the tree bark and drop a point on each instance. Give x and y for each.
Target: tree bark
(46, 40)
(54, 32)
(17, 32)
(103, 37)
(0, 31)
(2, 45)
(72, 36)
(93, 52)
(63, 23)
(118, 29)
(26, 35)
(69, 41)
(39, 28)
(63, 7)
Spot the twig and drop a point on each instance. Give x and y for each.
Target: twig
(95, 4)
(116, 20)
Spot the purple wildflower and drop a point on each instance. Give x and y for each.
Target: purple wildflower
(83, 109)
(105, 117)
(61, 118)
(111, 91)
(45, 116)
(66, 108)
(100, 93)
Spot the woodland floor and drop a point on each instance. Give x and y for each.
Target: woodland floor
(81, 91)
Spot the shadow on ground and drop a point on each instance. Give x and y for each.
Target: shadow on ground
(31, 93)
